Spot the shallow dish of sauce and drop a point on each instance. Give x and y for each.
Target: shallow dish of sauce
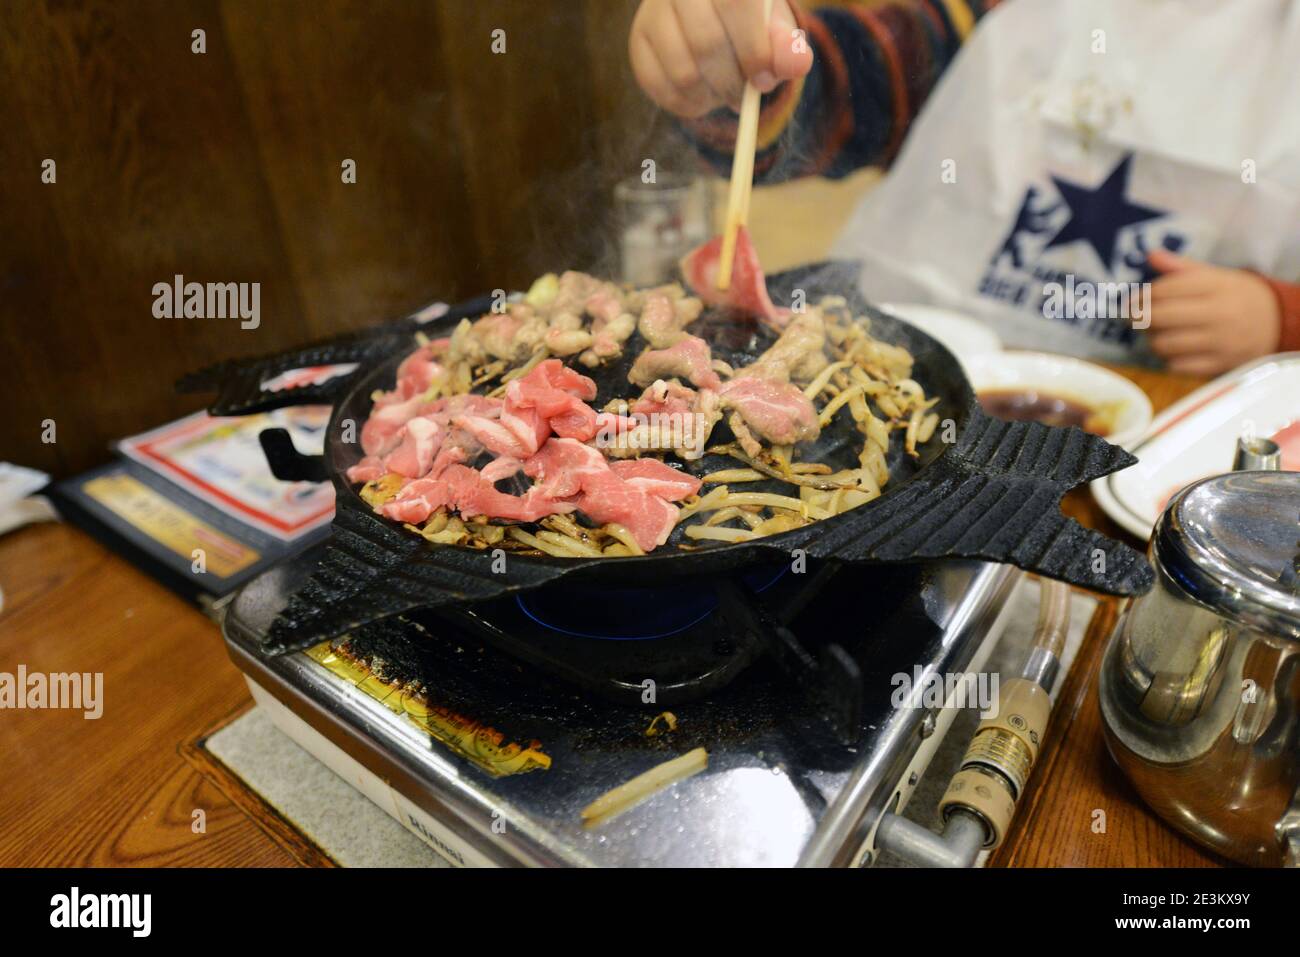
(1036, 405)
(1060, 390)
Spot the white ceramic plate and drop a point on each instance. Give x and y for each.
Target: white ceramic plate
(964, 337)
(1196, 438)
(1089, 385)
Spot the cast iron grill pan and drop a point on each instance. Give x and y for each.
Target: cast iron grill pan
(993, 494)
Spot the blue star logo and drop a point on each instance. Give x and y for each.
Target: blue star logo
(1097, 215)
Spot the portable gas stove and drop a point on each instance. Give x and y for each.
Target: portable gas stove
(486, 730)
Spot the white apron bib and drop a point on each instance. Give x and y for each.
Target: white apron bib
(1069, 139)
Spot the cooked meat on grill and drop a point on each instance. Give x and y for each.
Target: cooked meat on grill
(664, 320)
(798, 354)
(665, 397)
(740, 430)
(689, 359)
(496, 403)
(611, 325)
(566, 335)
(776, 411)
(511, 335)
(668, 417)
(572, 292)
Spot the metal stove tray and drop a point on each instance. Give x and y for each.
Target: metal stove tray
(779, 789)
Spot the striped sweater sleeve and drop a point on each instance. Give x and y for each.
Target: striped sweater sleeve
(873, 67)
(1288, 301)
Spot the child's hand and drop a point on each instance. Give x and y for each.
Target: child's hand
(692, 56)
(1206, 319)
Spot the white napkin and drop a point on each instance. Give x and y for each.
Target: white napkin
(18, 506)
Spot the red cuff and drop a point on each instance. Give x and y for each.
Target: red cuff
(1288, 301)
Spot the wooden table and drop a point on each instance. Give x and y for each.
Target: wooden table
(123, 790)
(1075, 777)
(117, 790)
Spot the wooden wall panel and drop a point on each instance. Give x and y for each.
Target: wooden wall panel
(473, 171)
(359, 80)
(542, 126)
(157, 174)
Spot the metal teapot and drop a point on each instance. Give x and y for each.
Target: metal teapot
(1200, 684)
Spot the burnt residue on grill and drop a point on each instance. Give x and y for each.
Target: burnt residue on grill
(533, 682)
(443, 671)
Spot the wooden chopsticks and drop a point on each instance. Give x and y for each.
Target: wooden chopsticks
(742, 174)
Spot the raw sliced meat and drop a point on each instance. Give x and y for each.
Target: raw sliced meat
(464, 490)
(473, 495)
(565, 468)
(1288, 441)
(612, 429)
(514, 435)
(648, 517)
(562, 465)
(555, 393)
(417, 372)
(367, 470)
(413, 457)
(379, 435)
(569, 380)
(470, 403)
(416, 501)
(578, 423)
(380, 431)
(413, 511)
(502, 467)
(656, 477)
(548, 399)
(458, 449)
(748, 288)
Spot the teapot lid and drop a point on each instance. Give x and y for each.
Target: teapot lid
(1232, 542)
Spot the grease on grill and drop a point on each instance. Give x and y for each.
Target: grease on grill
(661, 723)
(396, 683)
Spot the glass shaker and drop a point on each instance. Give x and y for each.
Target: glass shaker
(659, 223)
